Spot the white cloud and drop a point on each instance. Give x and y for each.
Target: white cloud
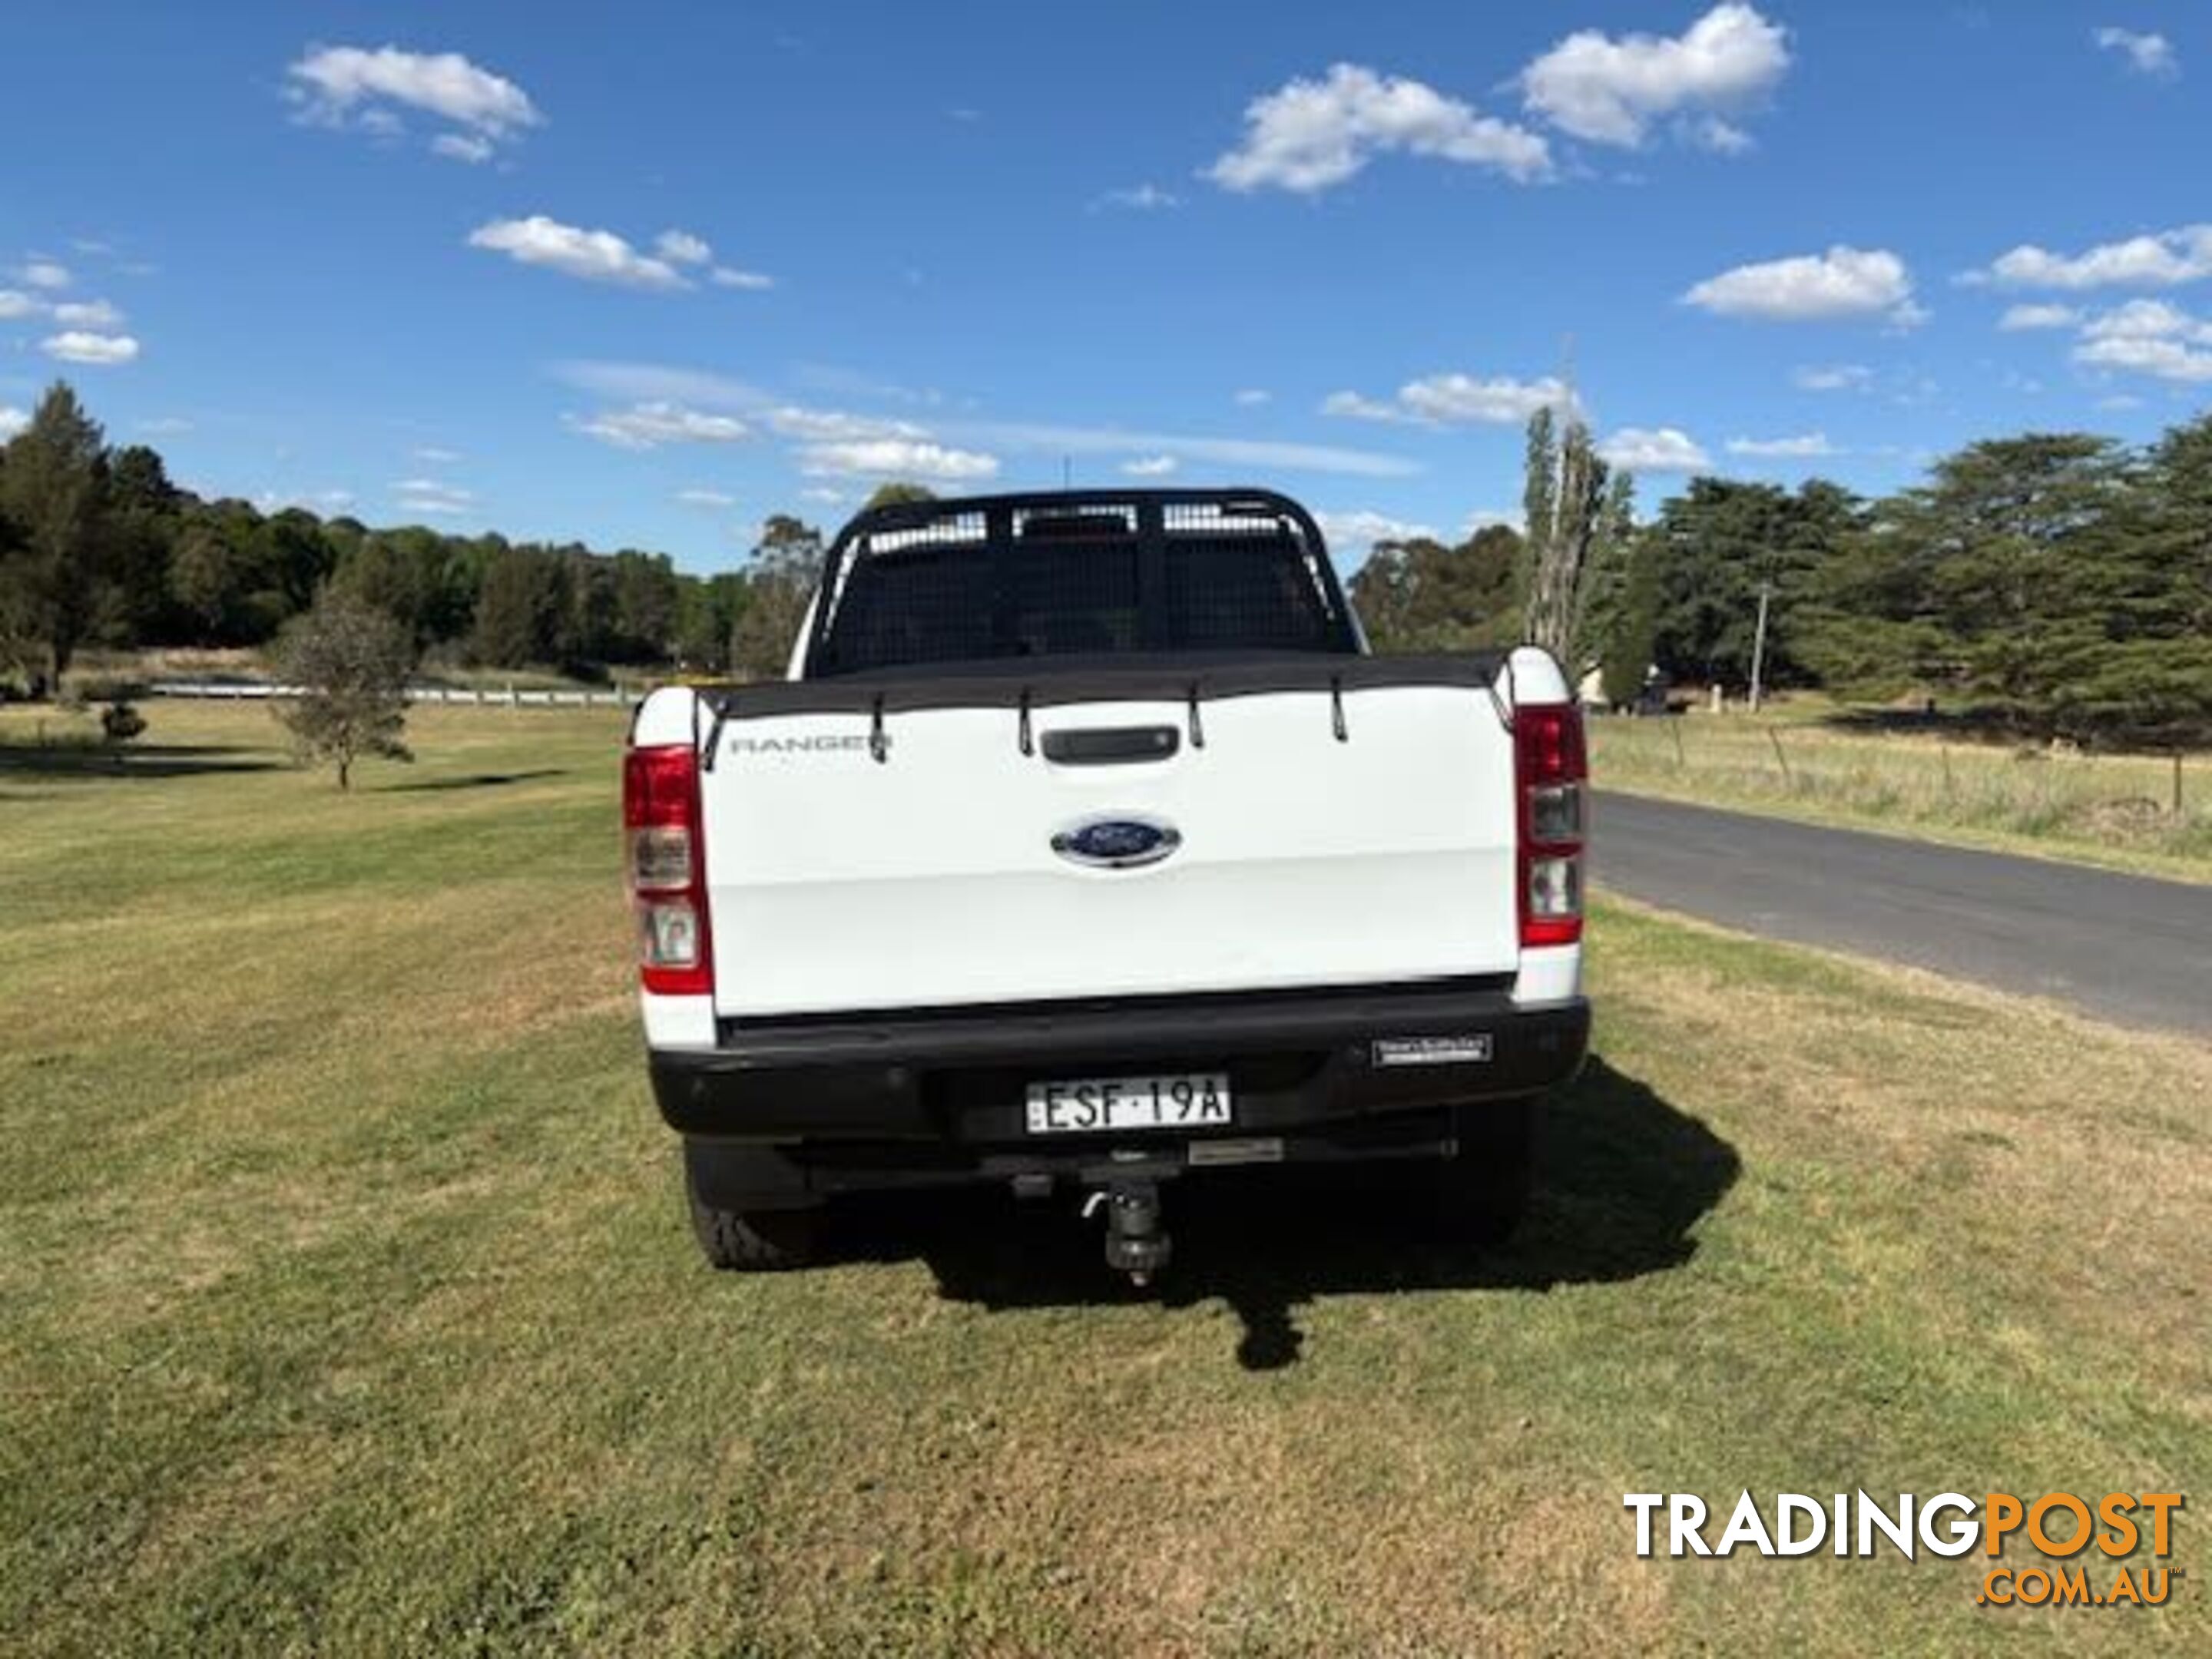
(1653, 449)
(596, 256)
(44, 273)
(658, 381)
(1721, 138)
(87, 314)
(2024, 317)
(649, 425)
(2142, 319)
(826, 495)
(1307, 136)
(1832, 377)
(2162, 359)
(333, 85)
(1363, 528)
(730, 277)
(1262, 455)
(1251, 396)
(902, 458)
(835, 425)
(681, 247)
(655, 387)
(1454, 399)
(1843, 282)
(162, 426)
(316, 500)
(2163, 258)
(2147, 54)
(661, 381)
(2149, 337)
(470, 147)
(1355, 406)
(1150, 467)
(432, 497)
(1805, 446)
(1610, 91)
(2118, 401)
(12, 421)
(851, 383)
(14, 303)
(432, 455)
(710, 498)
(81, 346)
(1146, 197)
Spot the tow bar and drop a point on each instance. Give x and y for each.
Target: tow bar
(1136, 1243)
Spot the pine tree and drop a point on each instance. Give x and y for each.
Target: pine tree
(53, 491)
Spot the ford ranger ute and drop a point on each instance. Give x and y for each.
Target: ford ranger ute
(1085, 845)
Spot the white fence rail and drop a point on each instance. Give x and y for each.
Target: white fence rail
(495, 697)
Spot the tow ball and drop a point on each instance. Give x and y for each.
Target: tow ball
(1136, 1243)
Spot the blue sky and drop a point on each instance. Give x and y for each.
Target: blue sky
(643, 283)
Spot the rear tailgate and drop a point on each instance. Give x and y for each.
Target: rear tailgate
(892, 846)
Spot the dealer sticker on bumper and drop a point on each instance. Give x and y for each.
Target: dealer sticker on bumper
(1470, 1049)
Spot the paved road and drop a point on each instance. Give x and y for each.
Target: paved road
(2128, 948)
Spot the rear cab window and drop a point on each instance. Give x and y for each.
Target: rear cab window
(980, 582)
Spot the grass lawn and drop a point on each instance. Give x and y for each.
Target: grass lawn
(346, 1302)
(2113, 810)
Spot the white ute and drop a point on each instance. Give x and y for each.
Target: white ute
(1086, 845)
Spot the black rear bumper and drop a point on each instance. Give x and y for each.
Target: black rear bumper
(956, 1081)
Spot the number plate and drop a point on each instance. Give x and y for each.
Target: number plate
(1101, 1104)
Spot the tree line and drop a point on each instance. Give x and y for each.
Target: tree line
(99, 549)
(2058, 584)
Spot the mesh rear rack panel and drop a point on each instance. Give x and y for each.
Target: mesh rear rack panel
(1076, 574)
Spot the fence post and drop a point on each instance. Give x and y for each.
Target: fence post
(1775, 737)
(1674, 725)
(2176, 783)
(1944, 750)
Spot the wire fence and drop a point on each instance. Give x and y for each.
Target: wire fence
(2157, 802)
(493, 696)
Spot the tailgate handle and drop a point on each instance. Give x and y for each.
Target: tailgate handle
(1110, 745)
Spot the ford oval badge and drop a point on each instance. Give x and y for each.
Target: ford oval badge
(1116, 843)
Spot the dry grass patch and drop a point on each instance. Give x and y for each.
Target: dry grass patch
(2114, 810)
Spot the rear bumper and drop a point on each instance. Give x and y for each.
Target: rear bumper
(955, 1081)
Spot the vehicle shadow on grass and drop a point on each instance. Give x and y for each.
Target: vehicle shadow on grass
(1622, 1179)
(476, 781)
(143, 762)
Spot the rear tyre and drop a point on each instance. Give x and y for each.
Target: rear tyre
(1478, 1197)
(750, 1241)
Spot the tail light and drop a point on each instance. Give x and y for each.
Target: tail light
(666, 858)
(1552, 765)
